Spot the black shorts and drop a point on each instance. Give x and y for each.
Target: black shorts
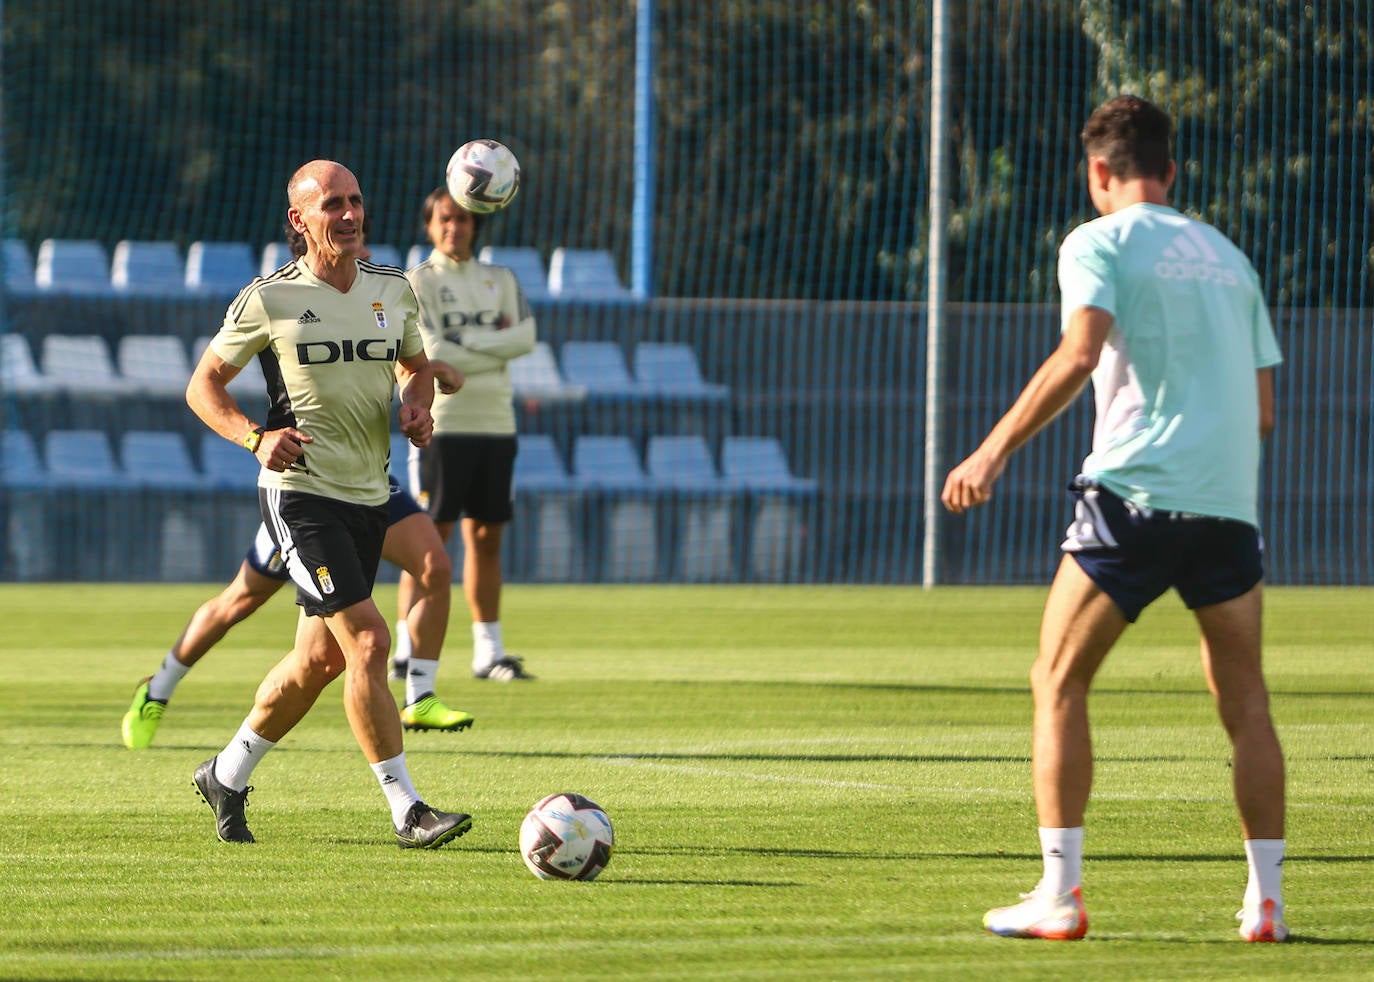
(332, 548)
(1134, 554)
(265, 559)
(468, 477)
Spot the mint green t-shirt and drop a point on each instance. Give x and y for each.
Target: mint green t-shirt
(1177, 424)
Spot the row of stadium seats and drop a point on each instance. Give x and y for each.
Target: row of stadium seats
(160, 365)
(157, 268)
(606, 513)
(163, 459)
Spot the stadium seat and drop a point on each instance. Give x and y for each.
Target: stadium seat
(539, 466)
(18, 372)
(21, 466)
(385, 255)
(622, 515)
(536, 376)
(418, 254)
(760, 464)
(702, 534)
(527, 265)
(72, 266)
(157, 363)
(780, 507)
(671, 369)
(82, 366)
(19, 273)
(152, 267)
(585, 274)
(227, 466)
(220, 267)
(159, 459)
(599, 367)
(83, 458)
(275, 255)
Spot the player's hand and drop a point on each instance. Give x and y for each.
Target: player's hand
(417, 424)
(970, 484)
(280, 449)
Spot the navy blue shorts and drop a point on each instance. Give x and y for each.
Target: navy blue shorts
(1134, 554)
(265, 559)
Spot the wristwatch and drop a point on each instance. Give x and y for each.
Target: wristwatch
(254, 438)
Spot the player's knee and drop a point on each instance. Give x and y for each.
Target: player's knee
(435, 571)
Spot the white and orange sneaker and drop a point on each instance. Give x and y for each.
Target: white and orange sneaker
(1262, 923)
(1040, 915)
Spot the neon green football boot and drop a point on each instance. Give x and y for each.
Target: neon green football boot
(428, 713)
(140, 722)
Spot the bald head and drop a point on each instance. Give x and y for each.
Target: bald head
(326, 208)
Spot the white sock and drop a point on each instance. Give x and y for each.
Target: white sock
(162, 685)
(1265, 858)
(394, 778)
(486, 644)
(1062, 850)
(400, 648)
(236, 761)
(420, 674)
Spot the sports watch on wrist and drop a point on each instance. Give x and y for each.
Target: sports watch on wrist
(254, 438)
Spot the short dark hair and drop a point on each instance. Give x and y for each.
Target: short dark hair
(432, 201)
(1132, 135)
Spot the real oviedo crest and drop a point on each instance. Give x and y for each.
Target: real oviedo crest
(379, 312)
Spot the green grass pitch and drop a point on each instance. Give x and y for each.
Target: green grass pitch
(806, 782)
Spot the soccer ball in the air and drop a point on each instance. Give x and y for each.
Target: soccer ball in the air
(566, 837)
(483, 176)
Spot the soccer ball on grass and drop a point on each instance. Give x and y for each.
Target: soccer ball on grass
(566, 837)
(483, 176)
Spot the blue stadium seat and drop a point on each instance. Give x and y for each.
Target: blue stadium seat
(598, 366)
(83, 458)
(19, 273)
(226, 466)
(275, 255)
(159, 459)
(527, 265)
(220, 267)
(385, 255)
(157, 363)
(671, 369)
(683, 463)
(622, 513)
(702, 533)
(81, 364)
(536, 376)
(152, 267)
(73, 266)
(20, 464)
(585, 274)
(539, 466)
(780, 510)
(760, 464)
(19, 373)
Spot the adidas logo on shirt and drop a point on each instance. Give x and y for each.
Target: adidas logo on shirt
(1191, 257)
(308, 317)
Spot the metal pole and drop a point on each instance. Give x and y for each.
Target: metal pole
(935, 294)
(642, 217)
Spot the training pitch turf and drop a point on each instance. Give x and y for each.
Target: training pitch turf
(806, 782)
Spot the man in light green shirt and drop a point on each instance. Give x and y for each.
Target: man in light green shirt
(1167, 319)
